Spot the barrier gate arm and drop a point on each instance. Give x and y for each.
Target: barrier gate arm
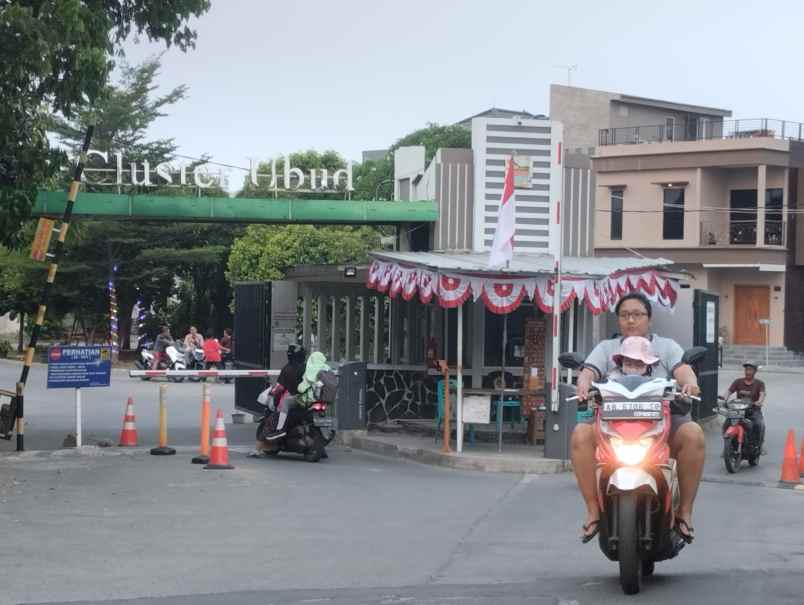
(17, 403)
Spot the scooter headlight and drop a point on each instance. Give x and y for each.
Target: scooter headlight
(631, 453)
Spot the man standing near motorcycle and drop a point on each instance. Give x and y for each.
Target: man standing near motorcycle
(163, 341)
(751, 388)
(687, 441)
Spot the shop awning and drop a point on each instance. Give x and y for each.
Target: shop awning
(452, 278)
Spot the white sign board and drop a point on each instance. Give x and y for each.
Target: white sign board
(710, 322)
(477, 409)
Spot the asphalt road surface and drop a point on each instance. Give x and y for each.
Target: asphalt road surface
(96, 527)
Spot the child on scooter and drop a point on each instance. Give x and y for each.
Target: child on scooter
(636, 358)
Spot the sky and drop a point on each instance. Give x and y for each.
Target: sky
(270, 77)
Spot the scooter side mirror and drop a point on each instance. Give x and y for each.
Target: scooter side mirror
(693, 355)
(570, 361)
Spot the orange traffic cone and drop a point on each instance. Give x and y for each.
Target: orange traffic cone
(219, 456)
(790, 472)
(128, 436)
(801, 460)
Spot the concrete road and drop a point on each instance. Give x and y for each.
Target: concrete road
(356, 529)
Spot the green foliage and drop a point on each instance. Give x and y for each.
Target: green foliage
(21, 281)
(267, 252)
(5, 349)
(434, 137)
(121, 117)
(374, 180)
(306, 161)
(56, 55)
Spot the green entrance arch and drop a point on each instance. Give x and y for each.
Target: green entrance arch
(237, 210)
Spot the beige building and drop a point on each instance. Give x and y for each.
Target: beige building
(716, 199)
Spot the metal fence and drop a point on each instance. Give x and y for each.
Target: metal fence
(703, 130)
(742, 233)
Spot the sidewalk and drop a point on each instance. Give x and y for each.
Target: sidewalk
(515, 458)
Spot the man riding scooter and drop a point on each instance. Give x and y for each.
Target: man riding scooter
(750, 388)
(286, 389)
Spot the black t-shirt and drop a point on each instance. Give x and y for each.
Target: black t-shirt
(746, 391)
(290, 377)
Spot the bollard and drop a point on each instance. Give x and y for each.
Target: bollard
(163, 449)
(203, 457)
(445, 449)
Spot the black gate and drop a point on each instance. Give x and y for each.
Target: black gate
(252, 341)
(706, 312)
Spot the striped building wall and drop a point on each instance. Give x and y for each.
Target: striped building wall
(453, 190)
(578, 197)
(578, 240)
(493, 141)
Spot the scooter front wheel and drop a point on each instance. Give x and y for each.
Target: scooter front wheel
(628, 543)
(730, 455)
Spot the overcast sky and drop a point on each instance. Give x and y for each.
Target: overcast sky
(270, 77)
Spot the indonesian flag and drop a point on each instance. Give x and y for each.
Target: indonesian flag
(502, 249)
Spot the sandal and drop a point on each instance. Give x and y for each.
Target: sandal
(587, 537)
(688, 535)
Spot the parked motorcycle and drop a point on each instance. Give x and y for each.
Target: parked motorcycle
(738, 441)
(174, 359)
(196, 362)
(637, 480)
(145, 356)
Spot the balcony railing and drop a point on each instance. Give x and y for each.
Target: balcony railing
(742, 233)
(703, 130)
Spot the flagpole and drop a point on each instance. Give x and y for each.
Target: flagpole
(554, 374)
(503, 248)
(500, 407)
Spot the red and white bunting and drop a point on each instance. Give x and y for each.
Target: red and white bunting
(504, 295)
(453, 291)
(503, 298)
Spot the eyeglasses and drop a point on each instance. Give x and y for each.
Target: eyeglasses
(635, 315)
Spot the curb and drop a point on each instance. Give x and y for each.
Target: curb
(747, 483)
(534, 466)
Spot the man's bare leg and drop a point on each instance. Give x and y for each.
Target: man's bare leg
(583, 462)
(689, 450)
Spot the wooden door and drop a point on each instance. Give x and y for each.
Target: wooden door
(751, 303)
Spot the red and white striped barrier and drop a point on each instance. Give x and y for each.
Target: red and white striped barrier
(202, 373)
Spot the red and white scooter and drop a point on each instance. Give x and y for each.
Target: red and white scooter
(637, 484)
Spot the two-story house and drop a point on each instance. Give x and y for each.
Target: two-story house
(718, 198)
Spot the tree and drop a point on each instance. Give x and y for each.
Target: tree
(267, 252)
(154, 261)
(57, 55)
(375, 179)
(434, 137)
(121, 116)
(330, 161)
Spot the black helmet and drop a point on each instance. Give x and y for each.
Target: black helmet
(296, 354)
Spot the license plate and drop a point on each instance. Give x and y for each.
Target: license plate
(735, 414)
(648, 410)
(323, 422)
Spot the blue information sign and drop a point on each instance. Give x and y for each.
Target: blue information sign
(78, 367)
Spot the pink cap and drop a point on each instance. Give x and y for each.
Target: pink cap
(636, 347)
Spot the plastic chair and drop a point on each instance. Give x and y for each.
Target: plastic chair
(510, 402)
